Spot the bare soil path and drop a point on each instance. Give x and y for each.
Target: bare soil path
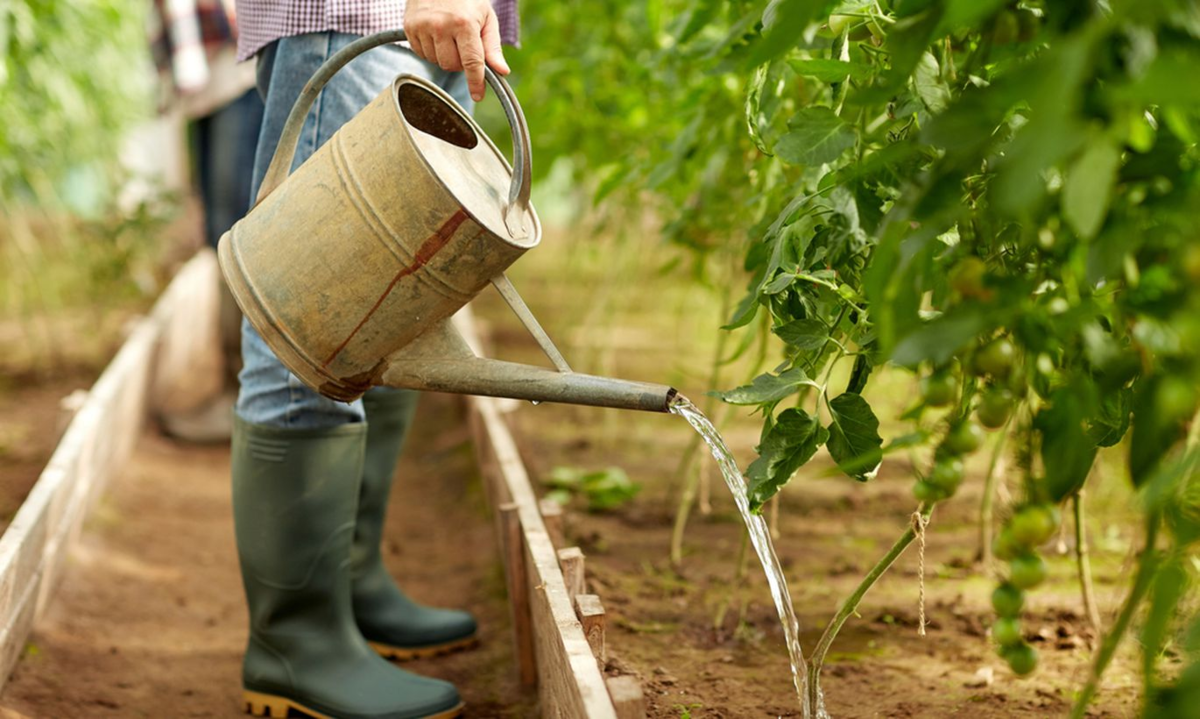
(150, 619)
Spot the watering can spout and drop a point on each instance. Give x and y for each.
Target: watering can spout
(440, 361)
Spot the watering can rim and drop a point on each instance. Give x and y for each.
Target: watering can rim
(524, 242)
(280, 166)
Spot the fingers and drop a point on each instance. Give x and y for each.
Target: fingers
(470, 55)
(492, 49)
(447, 53)
(414, 41)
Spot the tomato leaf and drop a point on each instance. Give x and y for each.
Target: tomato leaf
(767, 388)
(806, 334)
(817, 136)
(854, 441)
(783, 25)
(1067, 451)
(827, 70)
(1089, 187)
(789, 444)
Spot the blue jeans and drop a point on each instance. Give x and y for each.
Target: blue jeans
(270, 394)
(225, 142)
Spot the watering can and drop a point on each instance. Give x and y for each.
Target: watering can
(351, 266)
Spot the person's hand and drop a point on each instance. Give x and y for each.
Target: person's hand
(457, 35)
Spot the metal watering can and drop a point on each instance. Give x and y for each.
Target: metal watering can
(351, 266)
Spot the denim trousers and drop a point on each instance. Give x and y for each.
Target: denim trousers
(225, 142)
(271, 395)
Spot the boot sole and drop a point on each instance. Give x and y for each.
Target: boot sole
(268, 705)
(402, 654)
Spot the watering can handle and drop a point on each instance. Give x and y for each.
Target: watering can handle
(285, 152)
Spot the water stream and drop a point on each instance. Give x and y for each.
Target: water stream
(760, 538)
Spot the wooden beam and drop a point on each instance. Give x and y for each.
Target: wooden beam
(518, 593)
(571, 561)
(570, 684)
(590, 612)
(552, 515)
(627, 697)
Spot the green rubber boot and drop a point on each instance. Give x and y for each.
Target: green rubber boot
(295, 493)
(395, 625)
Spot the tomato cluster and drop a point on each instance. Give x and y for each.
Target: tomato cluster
(989, 402)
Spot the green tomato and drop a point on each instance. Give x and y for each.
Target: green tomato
(963, 438)
(967, 277)
(994, 407)
(1005, 546)
(1007, 631)
(1021, 658)
(1027, 570)
(1034, 525)
(996, 358)
(1007, 600)
(939, 389)
(947, 474)
(926, 492)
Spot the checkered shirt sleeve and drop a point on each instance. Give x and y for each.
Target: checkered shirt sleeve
(261, 22)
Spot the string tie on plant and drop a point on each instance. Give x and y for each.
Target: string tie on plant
(919, 523)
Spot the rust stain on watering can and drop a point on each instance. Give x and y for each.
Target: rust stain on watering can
(425, 253)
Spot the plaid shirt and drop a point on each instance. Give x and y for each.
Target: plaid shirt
(262, 22)
(184, 36)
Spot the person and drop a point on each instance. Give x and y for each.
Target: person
(311, 476)
(194, 46)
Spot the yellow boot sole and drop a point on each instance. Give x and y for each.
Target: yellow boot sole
(402, 654)
(267, 705)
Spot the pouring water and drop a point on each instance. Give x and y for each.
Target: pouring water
(760, 538)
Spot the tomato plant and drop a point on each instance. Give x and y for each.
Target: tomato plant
(997, 195)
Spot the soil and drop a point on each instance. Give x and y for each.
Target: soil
(150, 618)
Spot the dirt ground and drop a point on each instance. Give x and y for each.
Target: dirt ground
(150, 618)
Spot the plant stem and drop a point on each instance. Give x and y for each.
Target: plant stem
(848, 607)
(987, 505)
(1147, 565)
(692, 480)
(735, 587)
(1084, 564)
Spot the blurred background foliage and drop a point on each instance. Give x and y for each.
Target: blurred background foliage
(75, 80)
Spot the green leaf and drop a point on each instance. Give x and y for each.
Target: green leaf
(744, 314)
(1089, 186)
(1067, 451)
(1112, 418)
(806, 334)
(818, 136)
(831, 71)
(789, 444)
(966, 13)
(939, 339)
(927, 81)
(754, 119)
(767, 388)
(854, 441)
(784, 22)
(1154, 430)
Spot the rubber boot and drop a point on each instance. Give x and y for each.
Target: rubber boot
(295, 494)
(395, 625)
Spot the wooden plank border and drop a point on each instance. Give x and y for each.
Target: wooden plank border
(96, 444)
(570, 682)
